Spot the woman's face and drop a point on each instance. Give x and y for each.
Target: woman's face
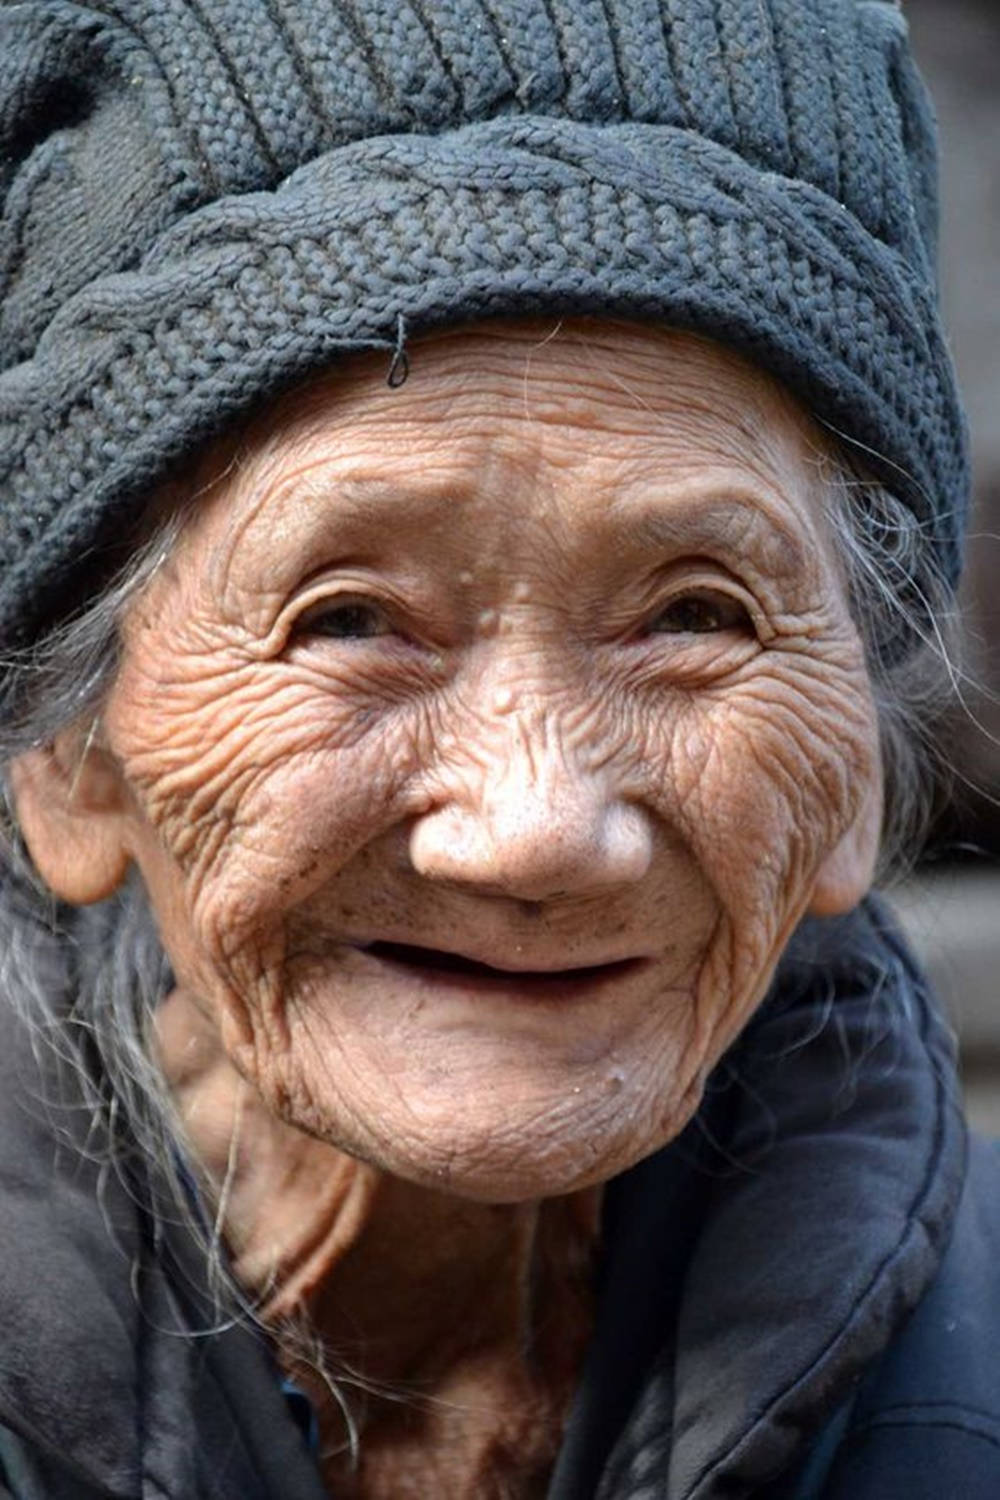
(484, 740)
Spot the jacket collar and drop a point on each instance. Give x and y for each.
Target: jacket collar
(753, 1268)
(764, 1259)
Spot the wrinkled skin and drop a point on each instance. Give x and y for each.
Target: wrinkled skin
(480, 746)
(542, 660)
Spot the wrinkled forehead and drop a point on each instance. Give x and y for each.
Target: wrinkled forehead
(583, 358)
(594, 424)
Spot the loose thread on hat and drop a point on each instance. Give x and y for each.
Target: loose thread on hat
(399, 365)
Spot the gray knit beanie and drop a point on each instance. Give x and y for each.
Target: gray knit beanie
(202, 200)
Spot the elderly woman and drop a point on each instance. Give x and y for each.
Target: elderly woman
(480, 486)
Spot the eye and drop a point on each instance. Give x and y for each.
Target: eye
(345, 620)
(701, 612)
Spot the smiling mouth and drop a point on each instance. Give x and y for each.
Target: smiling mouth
(444, 967)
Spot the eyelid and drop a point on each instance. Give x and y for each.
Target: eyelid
(709, 581)
(339, 599)
(325, 592)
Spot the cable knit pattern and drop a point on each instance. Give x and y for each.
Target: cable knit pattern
(203, 200)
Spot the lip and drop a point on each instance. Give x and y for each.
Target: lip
(446, 969)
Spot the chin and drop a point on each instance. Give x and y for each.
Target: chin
(519, 1158)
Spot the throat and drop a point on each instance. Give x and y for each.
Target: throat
(467, 1348)
(448, 1334)
(454, 1334)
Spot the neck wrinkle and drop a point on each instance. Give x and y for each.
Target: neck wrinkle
(411, 1291)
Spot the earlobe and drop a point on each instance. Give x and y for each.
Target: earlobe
(69, 809)
(847, 872)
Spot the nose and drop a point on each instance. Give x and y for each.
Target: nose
(536, 824)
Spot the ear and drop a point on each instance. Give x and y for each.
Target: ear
(70, 802)
(847, 871)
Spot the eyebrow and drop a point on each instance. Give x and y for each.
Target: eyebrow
(364, 495)
(725, 516)
(737, 525)
(345, 504)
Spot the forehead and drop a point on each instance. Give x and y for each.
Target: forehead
(595, 430)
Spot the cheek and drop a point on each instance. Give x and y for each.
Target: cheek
(769, 775)
(251, 792)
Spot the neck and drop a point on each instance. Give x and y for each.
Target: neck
(475, 1316)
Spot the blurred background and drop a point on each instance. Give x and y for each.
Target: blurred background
(951, 907)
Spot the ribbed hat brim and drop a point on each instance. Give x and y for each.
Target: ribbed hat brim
(510, 217)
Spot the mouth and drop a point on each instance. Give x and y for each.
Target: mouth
(443, 967)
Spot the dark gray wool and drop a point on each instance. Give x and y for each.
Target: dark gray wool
(202, 200)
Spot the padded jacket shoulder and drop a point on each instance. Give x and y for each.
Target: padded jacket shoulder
(926, 1421)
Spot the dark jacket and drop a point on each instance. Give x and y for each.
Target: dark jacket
(756, 1335)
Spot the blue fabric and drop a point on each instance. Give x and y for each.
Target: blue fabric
(303, 1414)
(809, 1481)
(926, 1423)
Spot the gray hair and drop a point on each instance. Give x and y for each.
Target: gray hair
(909, 621)
(905, 614)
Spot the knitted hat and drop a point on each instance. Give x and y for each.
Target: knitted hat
(202, 200)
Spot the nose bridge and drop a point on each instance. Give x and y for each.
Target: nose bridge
(543, 814)
(545, 783)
